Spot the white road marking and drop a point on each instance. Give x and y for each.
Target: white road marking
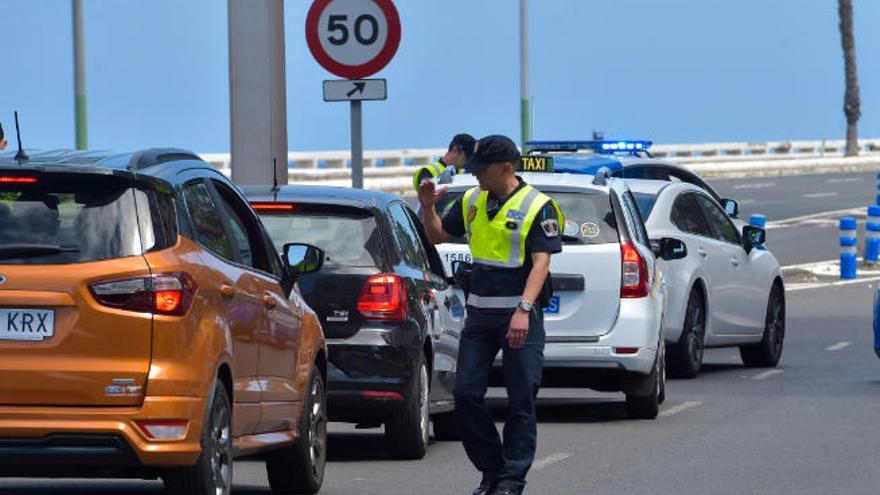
(797, 287)
(551, 459)
(672, 411)
(767, 374)
(820, 195)
(793, 221)
(838, 346)
(841, 181)
(756, 185)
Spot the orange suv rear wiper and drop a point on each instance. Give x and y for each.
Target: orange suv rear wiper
(12, 251)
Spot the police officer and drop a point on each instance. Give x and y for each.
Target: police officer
(512, 229)
(460, 150)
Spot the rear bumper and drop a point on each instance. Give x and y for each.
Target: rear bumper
(637, 326)
(370, 374)
(67, 438)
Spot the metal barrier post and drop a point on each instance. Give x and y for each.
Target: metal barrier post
(758, 220)
(872, 234)
(848, 248)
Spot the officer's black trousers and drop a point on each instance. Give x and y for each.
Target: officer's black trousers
(485, 333)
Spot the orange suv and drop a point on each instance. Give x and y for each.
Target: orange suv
(149, 329)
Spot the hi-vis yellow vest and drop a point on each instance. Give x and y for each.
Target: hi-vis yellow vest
(501, 241)
(435, 169)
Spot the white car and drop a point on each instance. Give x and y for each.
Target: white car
(728, 290)
(604, 326)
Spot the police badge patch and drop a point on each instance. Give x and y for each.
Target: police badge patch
(551, 227)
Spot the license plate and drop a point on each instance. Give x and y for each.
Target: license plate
(553, 307)
(26, 324)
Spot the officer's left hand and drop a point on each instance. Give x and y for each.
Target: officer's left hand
(518, 329)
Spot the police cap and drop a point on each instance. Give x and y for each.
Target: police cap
(492, 149)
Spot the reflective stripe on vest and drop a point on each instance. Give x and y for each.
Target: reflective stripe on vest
(493, 302)
(435, 169)
(493, 242)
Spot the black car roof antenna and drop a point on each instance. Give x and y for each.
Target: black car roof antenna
(20, 156)
(275, 188)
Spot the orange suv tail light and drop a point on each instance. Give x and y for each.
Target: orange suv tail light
(161, 294)
(634, 280)
(383, 297)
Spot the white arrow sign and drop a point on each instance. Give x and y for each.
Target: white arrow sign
(355, 90)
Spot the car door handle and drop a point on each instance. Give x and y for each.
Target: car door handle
(227, 291)
(703, 252)
(269, 301)
(734, 261)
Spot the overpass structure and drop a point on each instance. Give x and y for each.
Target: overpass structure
(391, 170)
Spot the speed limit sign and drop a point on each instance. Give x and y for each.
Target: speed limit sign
(353, 39)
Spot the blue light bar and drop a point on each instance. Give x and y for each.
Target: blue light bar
(603, 147)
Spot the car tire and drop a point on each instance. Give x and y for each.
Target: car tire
(212, 472)
(766, 354)
(661, 397)
(408, 432)
(648, 406)
(299, 468)
(685, 357)
(446, 427)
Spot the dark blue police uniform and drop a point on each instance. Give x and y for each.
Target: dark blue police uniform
(485, 333)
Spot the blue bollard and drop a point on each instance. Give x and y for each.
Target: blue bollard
(877, 322)
(848, 248)
(872, 234)
(758, 220)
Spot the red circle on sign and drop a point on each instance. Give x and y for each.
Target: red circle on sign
(392, 42)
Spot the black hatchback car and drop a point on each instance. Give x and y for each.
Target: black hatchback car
(391, 317)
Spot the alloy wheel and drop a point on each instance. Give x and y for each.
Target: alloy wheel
(219, 449)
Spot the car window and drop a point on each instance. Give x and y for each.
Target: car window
(645, 202)
(634, 221)
(246, 232)
(88, 217)
(206, 220)
(723, 228)
(407, 239)
(688, 216)
(348, 236)
(433, 257)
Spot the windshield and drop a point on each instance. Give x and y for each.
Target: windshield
(72, 218)
(348, 237)
(588, 216)
(645, 202)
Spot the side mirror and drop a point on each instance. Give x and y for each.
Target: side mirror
(753, 236)
(300, 259)
(731, 207)
(669, 249)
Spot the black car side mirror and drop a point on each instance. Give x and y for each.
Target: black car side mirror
(731, 207)
(669, 249)
(753, 236)
(300, 259)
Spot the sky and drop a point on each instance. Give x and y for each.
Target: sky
(673, 71)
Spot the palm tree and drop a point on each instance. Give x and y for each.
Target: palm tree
(851, 100)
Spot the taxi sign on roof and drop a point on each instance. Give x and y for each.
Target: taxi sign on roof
(535, 163)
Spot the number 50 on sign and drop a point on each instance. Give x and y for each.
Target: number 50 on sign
(353, 39)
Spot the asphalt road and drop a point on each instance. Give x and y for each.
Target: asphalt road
(804, 428)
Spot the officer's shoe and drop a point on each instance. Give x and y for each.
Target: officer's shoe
(486, 486)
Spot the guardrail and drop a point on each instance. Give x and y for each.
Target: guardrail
(391, 170)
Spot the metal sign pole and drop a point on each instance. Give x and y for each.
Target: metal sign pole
(357, 146)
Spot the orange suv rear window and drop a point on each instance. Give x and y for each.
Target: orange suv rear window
(58, 218)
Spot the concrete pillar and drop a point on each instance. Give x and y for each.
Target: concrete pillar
(257, 91)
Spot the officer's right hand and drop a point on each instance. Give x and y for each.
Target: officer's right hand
(429, 194)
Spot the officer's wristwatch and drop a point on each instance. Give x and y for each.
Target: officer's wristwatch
(525, 306)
